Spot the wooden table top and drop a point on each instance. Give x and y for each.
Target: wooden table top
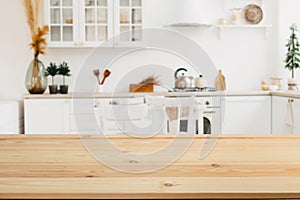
(60, 167)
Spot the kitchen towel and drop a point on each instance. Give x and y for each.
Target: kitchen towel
(172, 112)
(289, 119)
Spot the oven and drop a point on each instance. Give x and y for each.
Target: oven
(211, 116)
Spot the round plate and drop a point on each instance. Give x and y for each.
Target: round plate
(253, 14)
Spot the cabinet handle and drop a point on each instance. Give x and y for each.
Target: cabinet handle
(113, 103)
(291, 100)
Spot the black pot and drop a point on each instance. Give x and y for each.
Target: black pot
(53, 89)
(64, 89)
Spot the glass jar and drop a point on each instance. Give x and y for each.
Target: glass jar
(235, 15)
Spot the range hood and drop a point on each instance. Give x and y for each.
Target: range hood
(190, 13)
(190, 24)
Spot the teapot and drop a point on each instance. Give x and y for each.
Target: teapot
(181, 80)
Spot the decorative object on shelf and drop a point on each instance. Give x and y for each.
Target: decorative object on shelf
(123, 18)
(273, 87)
(264, 85)
(292, 60)
(69, 21)
(146, 85)
(36, 81)
(276, 81)
(141, 88)
(222, 21)
(52, 71)
(253, 14)
(56, 3)
(154, 80)
(90, 3)
(64, 70)
(292, 84)
(235, 15)
(220, 81)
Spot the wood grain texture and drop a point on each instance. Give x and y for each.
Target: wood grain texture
(59, 167)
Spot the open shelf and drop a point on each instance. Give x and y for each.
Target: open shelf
(266, 28)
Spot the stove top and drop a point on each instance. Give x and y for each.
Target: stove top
(206, 89)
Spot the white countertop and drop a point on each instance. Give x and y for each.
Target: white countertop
(291, 94)
(168, 94)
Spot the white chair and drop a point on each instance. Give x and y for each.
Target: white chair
(176, 109)
(122, 118)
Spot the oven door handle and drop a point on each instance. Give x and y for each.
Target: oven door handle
(209, 107)
(209, 112)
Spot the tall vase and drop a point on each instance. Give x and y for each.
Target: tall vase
(36, 81)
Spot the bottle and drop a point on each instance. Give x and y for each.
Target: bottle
(200, 82)
(220, 82)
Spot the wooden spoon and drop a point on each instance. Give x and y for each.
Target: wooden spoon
(105, 75)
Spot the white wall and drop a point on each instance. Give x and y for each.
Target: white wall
(244, 55)
(15, 56)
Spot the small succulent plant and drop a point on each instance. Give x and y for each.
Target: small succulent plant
(64, 70)
(52, 70)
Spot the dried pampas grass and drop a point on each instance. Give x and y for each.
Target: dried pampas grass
(39, 43)
(151, 80)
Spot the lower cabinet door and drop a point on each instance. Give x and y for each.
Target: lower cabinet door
(279, 112)
(247, 115)
(47, 116)
(296, 112)
(285, 115)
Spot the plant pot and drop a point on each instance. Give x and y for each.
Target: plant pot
(64, 89)
(53, 89)
(292, 84)
(36, 82)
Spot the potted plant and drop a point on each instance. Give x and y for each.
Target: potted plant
(64, 70)
(52, 71)
(292, 56)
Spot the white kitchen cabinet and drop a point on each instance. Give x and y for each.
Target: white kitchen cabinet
(247, 115)
(279, 114)
(82, 116)
(47, 116)
(65, 116)
(296, 111)
(11, 117)
(88, 23)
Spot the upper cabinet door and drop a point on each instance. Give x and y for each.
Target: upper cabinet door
(96, 22)
(59, 15)
(128, 22)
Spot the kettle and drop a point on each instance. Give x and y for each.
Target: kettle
(181, 80)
